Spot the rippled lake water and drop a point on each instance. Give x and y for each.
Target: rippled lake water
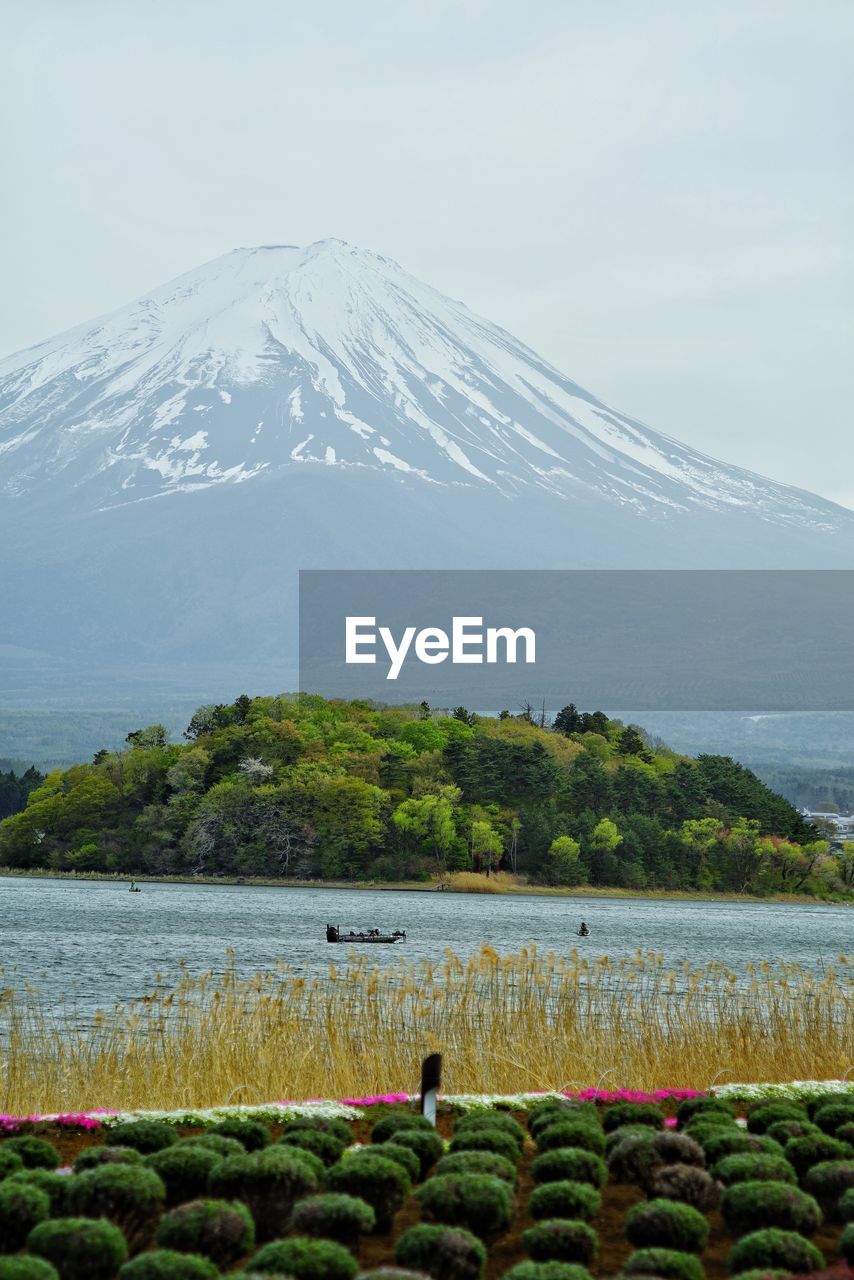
(101, 944)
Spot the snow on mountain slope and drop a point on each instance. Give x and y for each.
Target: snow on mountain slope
(280, 357)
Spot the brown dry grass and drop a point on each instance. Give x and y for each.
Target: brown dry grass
(504, 1023)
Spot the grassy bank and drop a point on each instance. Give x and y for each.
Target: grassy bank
(458, 882)
(504, 1024)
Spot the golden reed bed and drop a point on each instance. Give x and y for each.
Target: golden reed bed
(504, 1023)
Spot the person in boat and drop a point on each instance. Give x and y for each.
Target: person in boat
(583, 931)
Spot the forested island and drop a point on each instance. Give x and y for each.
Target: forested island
(303, 788)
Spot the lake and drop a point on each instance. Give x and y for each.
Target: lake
(101, 944)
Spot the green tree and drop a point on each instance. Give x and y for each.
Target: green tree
(568, 720)
(430, 819)
(563, 865)
(486, 846)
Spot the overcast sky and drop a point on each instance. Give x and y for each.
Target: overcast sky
(656, 196)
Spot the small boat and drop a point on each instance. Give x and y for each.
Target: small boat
(334, 934)
(134, 887)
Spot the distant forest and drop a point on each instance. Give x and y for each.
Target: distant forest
(829, 789)
(15, 789)
(296, 786)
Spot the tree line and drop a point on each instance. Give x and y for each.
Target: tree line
(302, 787)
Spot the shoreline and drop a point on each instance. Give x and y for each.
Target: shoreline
(492, 887)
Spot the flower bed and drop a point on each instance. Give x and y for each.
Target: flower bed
(546, 1186)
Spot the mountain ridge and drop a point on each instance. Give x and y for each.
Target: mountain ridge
(167, 469)
(273, 357)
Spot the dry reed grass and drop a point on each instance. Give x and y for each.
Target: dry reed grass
(505, 1024)
(475, 882)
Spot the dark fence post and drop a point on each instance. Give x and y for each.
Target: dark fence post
(431, 1076)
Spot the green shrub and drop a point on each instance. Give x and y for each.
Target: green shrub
(670, 1264)
(251, 1134)
(221, 1230)
(845, 1207)
(552, 1270)
(166, 1264)
(486, 1140)
(477, 1201)
(774, 1248)
(405, 1157)
(269, 1182)
(846, 1245)
(306, 1259)
(184, 1170)
(833, 1115)
(214, 1142)
(324, 1145)
(428, 1145)
(339, 1128)
(561, 1239)
(708, 1122)
(446, 1253)
(815, 1148)
(678, 1148)
(830, 1179)
(334, 1216)
(572, 1163)
(564, 1199)
(27, 1268)
(54, 1185)
(616, 1136)
(634, 1113)
(753, 1166)
(688, 1108)
(376, 1273)
(635, 1159)
(687, 1184)
(129, 1195)
(765, 1273)
(34, 1153)
(782, 1130)
(10, 1162)
(759, 1119)
(374, 1178)
(92, 1157)
(396, 1121)
(80, 1248)
(493, 1120)
(554, 1109)
(22, 1207)
(144, 1136)
(845, 1132)
(747, 1206)
(568, 1133)
(478, 1162)
(730, 1142)
(667, 1224)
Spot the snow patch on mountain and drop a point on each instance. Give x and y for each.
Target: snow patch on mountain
(335, 357)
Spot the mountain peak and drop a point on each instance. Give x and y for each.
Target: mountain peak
(280, 358)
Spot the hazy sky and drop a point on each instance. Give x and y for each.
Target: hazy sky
(656, 196)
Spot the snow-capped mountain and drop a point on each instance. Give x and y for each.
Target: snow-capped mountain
(167, 469)
(329, 356)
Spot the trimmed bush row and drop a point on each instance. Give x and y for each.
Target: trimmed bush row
(150, 1205)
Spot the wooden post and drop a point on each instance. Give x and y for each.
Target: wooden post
(431, 1076)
